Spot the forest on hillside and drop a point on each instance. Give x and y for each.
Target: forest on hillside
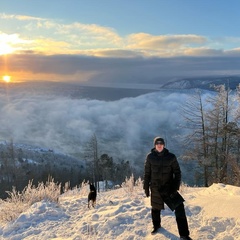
(19, 166)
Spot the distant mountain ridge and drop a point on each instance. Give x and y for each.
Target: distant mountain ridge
(112, 93)
(206, 83)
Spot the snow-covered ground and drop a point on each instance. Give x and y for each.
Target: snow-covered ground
(213, 213)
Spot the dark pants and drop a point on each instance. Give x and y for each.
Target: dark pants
(181, 219)
(156, 219)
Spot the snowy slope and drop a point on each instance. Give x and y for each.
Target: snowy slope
(213, 213)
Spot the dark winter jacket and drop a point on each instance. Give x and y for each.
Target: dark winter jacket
(162, 174)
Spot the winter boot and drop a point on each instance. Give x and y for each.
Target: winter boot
(185, 238)
(154, 230)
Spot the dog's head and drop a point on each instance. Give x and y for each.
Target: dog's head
(92, 188)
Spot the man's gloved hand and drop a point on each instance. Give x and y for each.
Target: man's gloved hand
(173, 194)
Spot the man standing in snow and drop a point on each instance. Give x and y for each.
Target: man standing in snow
(162, 175)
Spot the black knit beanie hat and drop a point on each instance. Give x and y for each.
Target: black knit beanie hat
(158, 139)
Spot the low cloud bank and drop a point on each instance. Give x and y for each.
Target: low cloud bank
(124, 129)
(114, 70)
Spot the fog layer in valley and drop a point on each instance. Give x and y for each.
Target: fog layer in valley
(124, 129)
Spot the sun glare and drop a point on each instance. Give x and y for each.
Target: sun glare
(6, 78)
(6, 42)
(5, 49)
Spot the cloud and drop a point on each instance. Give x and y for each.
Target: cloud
(19, 17)
(79, 36)
(111, 70)
(204, 52)
(143, 40)
(124, 128)
(92, 35)
(49, 36)
(98, 54)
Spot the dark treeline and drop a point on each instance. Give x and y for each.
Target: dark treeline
(18, 166)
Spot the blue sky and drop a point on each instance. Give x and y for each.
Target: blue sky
(108, 41)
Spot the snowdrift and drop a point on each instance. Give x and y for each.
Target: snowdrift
(124, 214)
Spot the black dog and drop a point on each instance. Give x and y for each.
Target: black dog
(92, 196)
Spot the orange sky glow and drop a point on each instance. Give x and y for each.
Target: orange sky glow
(61, 48)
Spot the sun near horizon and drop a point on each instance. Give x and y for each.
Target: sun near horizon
(6, 78)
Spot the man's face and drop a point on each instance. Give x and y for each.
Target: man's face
(159, 146)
